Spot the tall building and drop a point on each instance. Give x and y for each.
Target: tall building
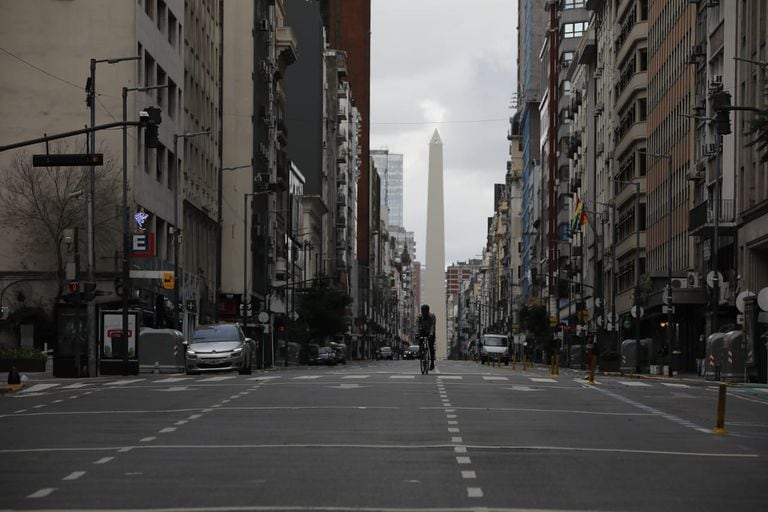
(390, 168)
(532, 28)
(173, 44)
(349, 30)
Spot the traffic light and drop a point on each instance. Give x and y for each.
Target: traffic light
(74, 287)
(279, 323)
(721, 104)
(150, 118)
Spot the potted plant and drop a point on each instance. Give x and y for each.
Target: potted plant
(25, 359)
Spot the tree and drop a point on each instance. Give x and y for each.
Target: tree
(759, 132)
(40, 203)
(323, 309)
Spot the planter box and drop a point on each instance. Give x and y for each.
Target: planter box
(23, 365)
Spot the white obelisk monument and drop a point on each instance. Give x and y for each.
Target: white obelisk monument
(434, 279)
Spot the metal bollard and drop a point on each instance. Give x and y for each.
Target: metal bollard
(720, 428)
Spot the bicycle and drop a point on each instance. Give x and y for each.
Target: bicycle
(425, 355)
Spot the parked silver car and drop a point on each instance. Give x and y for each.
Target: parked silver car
(219, 347)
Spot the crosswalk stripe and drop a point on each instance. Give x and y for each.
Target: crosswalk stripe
(38, 387)
(171, 380)
(218, 379)
(263, 378)
(76, 385)
(539, 379)
(675, 385)
(402, 376)
(495, 378)
(304, 377)
(123, 382)
(356, 377)
(451, 377)
(634, 383)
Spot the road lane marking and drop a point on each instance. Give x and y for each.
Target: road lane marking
(171, 380)
(123, 382)
(524, 388)
(456, 439)
(125, 449)
(460, 449)
(454, 430)
(263, 378)
(195, 416)
(147, 439)
(356, 377)
(474, 492)
(657, 412)
(42, 493)
(306, 377)
(495, 378)
(675, 385)
(74, 475)
(450, 377)
(541, 379)
(453, 422)
(468, 475)
(39, 406)
(181, 422)
(402, 376)
(19, 411)
(104, 460)
(167, 430)
(451, 416)
(73, 397)
(76, 385)
(463, 460)
(226, 401)
(634, 383)
(173, 389)
(37, 387)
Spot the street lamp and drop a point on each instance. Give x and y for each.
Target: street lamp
(668, 292)
(176, 230)
(90, 100)
(126, 242)
(637, 269)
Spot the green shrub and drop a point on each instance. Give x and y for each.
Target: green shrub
(15, 353)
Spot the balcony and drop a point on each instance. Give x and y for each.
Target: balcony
(637, 83)
(638, 33)
(701, 219)
(629, 243)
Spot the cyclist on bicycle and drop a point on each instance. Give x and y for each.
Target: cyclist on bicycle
(426, 326)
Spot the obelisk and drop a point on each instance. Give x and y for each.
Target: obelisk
(434, 279)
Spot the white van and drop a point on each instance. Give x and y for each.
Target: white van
(495, 347)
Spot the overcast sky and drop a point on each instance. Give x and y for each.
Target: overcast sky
(447, 65)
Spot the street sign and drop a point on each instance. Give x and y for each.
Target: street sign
(191, 305)
(294, 316)
(637, 312)
(64, 160)
(711, 278)
(740, 299)
(168, 280)
(627, 323)
(263, 317)
(552, 321)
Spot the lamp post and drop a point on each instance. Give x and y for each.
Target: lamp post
(668, 292)
(176, 230)
(90, 89)
(637, 309)
(126, 241)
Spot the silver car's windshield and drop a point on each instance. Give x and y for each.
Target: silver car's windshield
(215, 333)
(495, 341)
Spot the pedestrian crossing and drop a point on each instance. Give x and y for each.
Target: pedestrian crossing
(522, 382)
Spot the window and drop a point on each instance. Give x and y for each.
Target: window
(161, 12)
(160, 163)
(172, 34)
(574, 4)
(571, 30)
(149, 8)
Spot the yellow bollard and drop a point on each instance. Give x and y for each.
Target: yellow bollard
(592, 369)
(514, 360)
(720, 428)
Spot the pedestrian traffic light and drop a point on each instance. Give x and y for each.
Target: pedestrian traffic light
(74, 286)
(280, 323)
(721, 105)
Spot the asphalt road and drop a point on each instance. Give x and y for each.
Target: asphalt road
(380, 436)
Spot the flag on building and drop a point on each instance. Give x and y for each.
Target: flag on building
(579, 216)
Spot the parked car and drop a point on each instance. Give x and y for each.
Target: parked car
(219, 347)
(386, 353)
(341, 352)
(323, 355)
(412, 352)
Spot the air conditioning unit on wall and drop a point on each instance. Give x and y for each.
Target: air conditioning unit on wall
(679, 282)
